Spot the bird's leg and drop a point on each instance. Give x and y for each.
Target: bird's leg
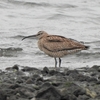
(55, 62)
(59, 62)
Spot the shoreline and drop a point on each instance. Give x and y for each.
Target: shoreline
(28, 83)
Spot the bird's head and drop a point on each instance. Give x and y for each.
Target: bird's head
(39, 35)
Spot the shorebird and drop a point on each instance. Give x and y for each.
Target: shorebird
(57, 46)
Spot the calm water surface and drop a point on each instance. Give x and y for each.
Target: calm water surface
(77, 19)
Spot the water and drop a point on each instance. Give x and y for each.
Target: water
(77, 19)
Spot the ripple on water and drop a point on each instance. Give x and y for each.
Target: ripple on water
(10, 52)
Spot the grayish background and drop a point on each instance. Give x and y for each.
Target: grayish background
(77, 19)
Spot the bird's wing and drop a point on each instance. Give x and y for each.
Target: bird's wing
(58, 43)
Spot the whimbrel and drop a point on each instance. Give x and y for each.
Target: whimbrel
(57, 46)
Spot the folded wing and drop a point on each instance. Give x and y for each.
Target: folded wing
(56, 43)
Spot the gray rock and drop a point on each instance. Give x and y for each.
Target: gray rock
(50, 93)
(3, 96)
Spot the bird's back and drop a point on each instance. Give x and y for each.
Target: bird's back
(58, 46)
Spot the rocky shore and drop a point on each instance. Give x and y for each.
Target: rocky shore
(28, 83)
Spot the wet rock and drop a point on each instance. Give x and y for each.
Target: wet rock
(98, 82)
(99, 69)
(29, 81)
(90, 93)
(80, 77)
(83, 97)
(56, 73)
(37, 79)
(33, 99)
(50, 93)
(25, 93)
(15, 97)
(15, 67)
(3, 96)
(21, 73)
(25, 69)
(48, 84)
(56, 84)
(52, 72)
(96, 67)
(14, 86)
(72, 72)
(20, 80)
(68, 97)
(46, 70)
(72, 89)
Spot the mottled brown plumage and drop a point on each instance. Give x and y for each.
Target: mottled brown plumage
(57, 46)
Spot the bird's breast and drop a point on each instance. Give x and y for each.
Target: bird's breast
(40, 45)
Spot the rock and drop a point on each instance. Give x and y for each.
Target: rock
(29, 81)
(52, 72)
(72, 89)
(96, 67)
(26, 69)
(98, 82)
(3, 96)
(50, 93)
(26, 93)
(79, 77)
(90, 93)
(19, 80)
(68, 97)
(14, 97)
(99, 69)
(37, 79)
(82, 97)
(56, 84)
(48, 84)
(14, 86)
(46, 70)
(56, 73)
(72, 72)
(35, 76)
(15, 67)
(33, 99)
(21, 73)
(45, 85)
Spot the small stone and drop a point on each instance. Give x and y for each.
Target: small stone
(33, 99)
(29, 81)
(83, 97)
(68, 97)
(46, 70)
(25, 69)
(91, 93)
(98, 82)
(14, 86)
(52, 72)
(96, 67)
(99, 69)
(15, 67)
(35, 77)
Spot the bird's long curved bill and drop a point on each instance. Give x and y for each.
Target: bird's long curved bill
(29, 36)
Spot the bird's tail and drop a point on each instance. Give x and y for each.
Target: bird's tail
(86, 47)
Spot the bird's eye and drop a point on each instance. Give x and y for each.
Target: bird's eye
(40, 32)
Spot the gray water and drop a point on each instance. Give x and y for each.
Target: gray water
(77, 19)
